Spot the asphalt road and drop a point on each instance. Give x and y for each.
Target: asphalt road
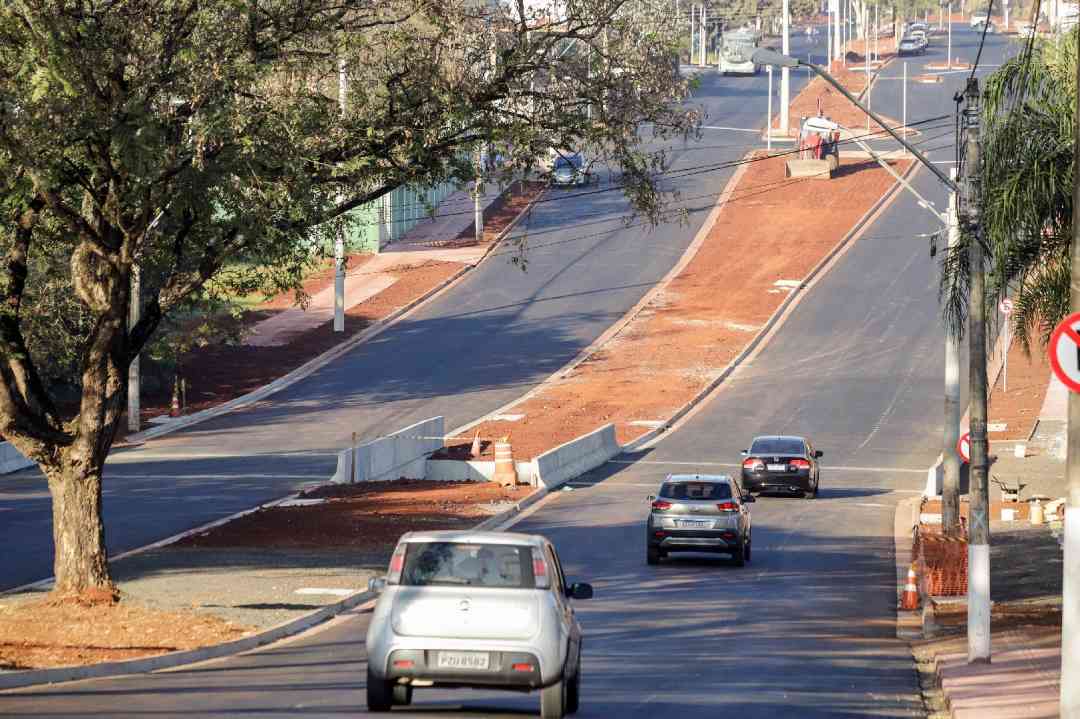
(805, 630)
(484, 343)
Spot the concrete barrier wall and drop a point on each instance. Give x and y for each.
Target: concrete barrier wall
(11, 460)
(401, 454)
(452, 470)
(557, 466)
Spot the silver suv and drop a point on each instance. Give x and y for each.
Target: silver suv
(475, 609)
(699, 513)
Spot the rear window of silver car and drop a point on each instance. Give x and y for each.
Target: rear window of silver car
(777, 446)
(473, 565)
(695, 490)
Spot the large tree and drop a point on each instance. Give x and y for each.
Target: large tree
(202, 141)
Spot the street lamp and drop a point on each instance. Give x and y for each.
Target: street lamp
(764, 56)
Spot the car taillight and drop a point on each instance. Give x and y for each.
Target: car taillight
(661, 505)
(753, 464)
(403, 664)
(540, 572)
(397, 563)
(727, 507)
(521, 667)
(800, 464)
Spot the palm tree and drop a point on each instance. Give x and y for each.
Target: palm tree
(1029, 123)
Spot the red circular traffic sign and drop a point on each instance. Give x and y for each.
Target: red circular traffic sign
(963, 447)
(1064, 351)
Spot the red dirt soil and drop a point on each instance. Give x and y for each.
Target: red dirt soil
(37, 634)
(368, 515)
(710, 311)
(1018, 408)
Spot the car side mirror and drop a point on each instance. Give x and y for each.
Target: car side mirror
(819, 454)
(580, 590)
(651, 498)
(748, 498)
(376, 584)
(744, 452)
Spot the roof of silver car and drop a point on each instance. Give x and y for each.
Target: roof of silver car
(698, 478)
(466, 536)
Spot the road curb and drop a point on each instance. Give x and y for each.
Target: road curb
(776, 318)
(621, 323)
(908, 622)
(316, 363)
(19, 679)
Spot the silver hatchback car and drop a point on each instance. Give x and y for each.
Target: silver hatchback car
(699, 513)
(475, 609)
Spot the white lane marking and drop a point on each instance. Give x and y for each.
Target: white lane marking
(827, 468)
(870, 504)
(732, 129)
(654, 485)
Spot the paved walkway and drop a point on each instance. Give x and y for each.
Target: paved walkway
(432, 239)
(1021, 680)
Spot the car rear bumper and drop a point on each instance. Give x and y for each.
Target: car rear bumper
(695, 541)
(500, 673)
(777, 481)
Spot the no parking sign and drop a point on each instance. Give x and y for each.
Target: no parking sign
(963, 447)
(1064, 351)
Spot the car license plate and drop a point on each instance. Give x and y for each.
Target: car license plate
(777, 467)
(693, 523)
(463, 660)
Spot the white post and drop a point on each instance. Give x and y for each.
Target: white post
(478, 190)
(785, 72)
(134, 385)
(866, 57)
(701, 25)
(903, 95)
(828, 37)
(693, 37)
(877, 31)
(950, 482)
(768, 118)
(836, 35)
(1006, 3)
(948, 55)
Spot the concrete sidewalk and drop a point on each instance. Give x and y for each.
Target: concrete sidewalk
(438, 239)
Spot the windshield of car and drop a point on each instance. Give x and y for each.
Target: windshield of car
(778, 446)
(568, 163)
(695, 490)
(475, 565)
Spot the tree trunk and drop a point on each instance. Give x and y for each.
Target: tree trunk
(81, 564)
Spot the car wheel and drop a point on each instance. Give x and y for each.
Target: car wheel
(573, 692)
(553, 701)
(739, 555)
(379, 696)
(402, 694)
(652, 555)
(746, 551)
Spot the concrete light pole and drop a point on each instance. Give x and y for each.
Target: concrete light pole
(950, 484)
(134, 383)
(978, 486)
(339, 239)
(1070, 585)
(785, 75)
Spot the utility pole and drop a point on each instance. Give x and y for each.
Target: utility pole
(1070, 584)
(134, 385)
(339, 239)
(701, 43)
(978, 489)
(828, 36)
(950, 485)
(478, 190)
(948, 53)
(785, 73)
(836, 35)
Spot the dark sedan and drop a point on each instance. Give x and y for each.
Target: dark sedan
(781, 464)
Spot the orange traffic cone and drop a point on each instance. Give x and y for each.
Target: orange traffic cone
(475, 449)
(910, 598)
(174, 409)
(505, 471)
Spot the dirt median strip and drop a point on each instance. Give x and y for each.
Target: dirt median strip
(769, 235)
